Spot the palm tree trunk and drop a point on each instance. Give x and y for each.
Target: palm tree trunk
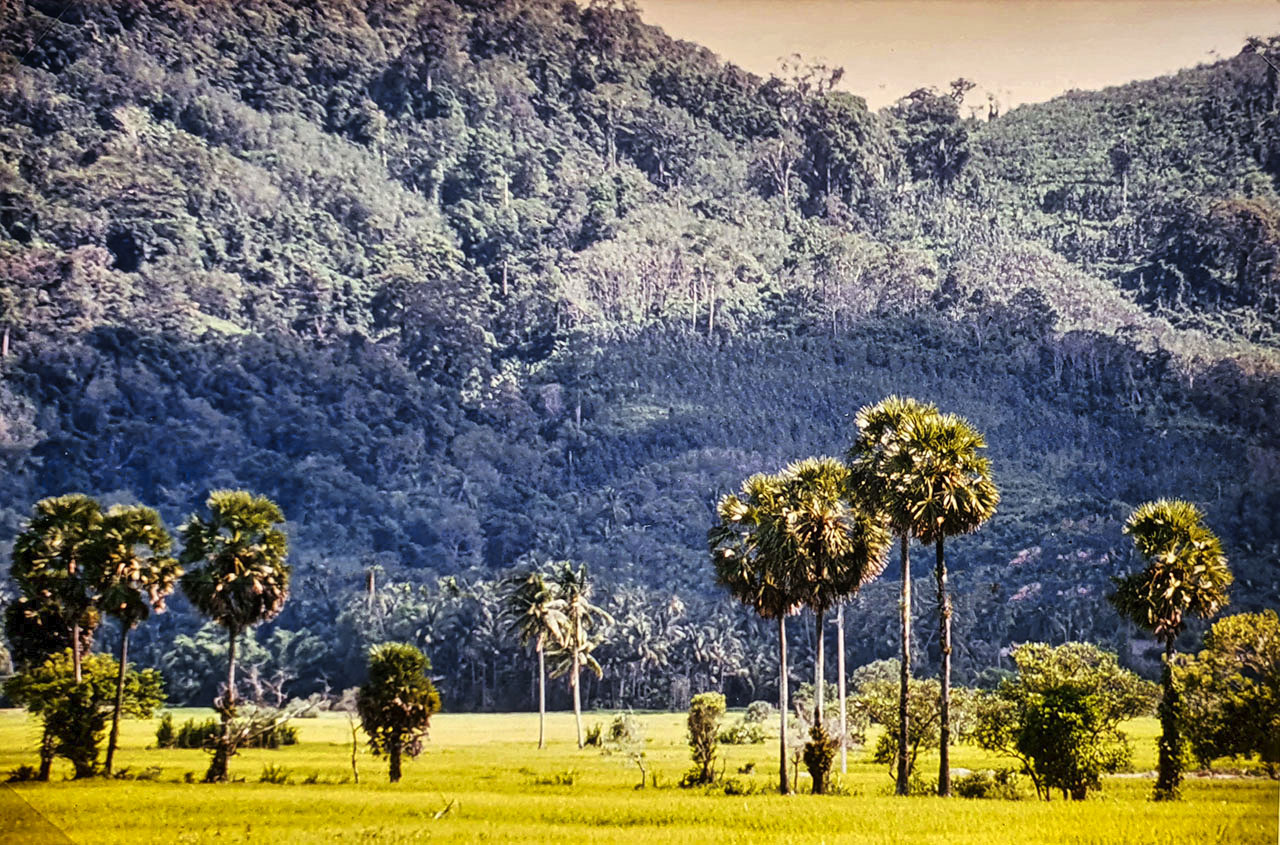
(905, 608)
(75, 649)
(46, 752)
(395, 761)
(221, 754)
(819, 673)
(115, 713)
(944, 702)
(1170, 774)
(784, 785)
(577, 698)
(844, 713)
(542, 696)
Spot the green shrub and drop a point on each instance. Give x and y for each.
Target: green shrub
(165, 734)
(705, 711)
(819, 751)
(742, 733)
(271, 773)
(758, 712)
(595, 735)
(625, 729)
(1000, 784)
(193, 734)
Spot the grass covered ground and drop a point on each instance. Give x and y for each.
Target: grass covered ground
(499, 787)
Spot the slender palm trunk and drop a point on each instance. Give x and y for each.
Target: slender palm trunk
(115, 713)
(1170, 770)
(46, 752)
(944, 702)
(784, 785)
(819, 670)
(75, 649)
(844, 713)
(542, 696)
(577, 698)
(905, 607)
(221, 754)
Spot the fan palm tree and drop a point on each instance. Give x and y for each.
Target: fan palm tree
(836, 546)
(950, 492)
(880, 466)
(135, 549)
(237, 576)
(57, 563)
(1186, 574)
(575, 644)
(755, 568)
(536, 615)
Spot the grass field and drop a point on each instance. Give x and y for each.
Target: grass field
(499, 787)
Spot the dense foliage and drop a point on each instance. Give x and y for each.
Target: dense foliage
(467, 286)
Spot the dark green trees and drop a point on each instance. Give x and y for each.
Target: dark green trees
(237, 576)
(1186, 574)
(397, 702)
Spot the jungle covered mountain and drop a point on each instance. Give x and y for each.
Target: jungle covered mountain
(462, 285)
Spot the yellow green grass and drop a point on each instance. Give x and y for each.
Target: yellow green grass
(500, 788)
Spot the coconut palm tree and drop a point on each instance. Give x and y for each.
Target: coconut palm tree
(950, 493)
(141, 574)
(57, 563)
(880, 466)
(575, 644)
(1186, 574)
(536, 615)
(237, 576)
(757, 570)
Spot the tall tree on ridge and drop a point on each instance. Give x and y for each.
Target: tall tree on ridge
(237, 576)
(1186, 573)
(881, 464)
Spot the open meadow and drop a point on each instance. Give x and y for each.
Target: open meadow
(482, 779)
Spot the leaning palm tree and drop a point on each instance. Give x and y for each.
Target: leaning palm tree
(751, 564)
(880, 466)
(951, 493)
(1186, 574)
(536, 615)
(575, 644)
(237, 576)
(135, 548)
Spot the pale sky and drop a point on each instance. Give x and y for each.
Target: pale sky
(1020, 50)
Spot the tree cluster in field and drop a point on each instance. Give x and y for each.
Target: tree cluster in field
(466, 286)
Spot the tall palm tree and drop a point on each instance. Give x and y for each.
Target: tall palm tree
(837, 546)
(237, 576)
(575, 644)
(536, 615)
(950, 493)
(1186, 574)
(880, 464)
(135, 548)
(751, 563)
(57, 563)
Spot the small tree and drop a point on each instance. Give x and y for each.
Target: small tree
(1060, 715)
(74, 713)
(396, 704)
(1231, 690)
(236, 575)
(704, 727)
(1186, 575)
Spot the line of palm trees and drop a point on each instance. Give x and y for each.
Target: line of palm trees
(812, 535)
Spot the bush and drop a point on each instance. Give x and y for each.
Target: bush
(193, 734)
(998, 784)
(742, 733)
(819, 751)
(165, 734)
(704, 721)
(625, 729)
(22, 774)
(272, 773)
(758, 712)
(595, 735)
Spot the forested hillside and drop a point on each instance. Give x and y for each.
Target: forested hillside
(462, 285)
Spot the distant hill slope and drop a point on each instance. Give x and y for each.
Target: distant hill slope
(465, 284)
